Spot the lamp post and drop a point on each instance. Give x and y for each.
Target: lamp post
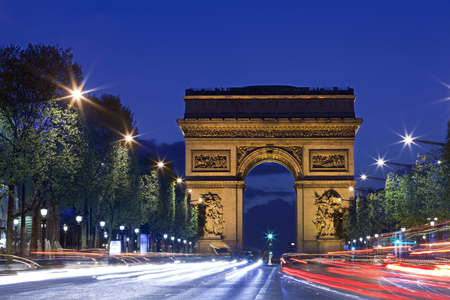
(172, 238)
(44, 212)
(136, 230)
(102, 224)
(65, 235)
(79, 219)
(16, 222)
(165, 242)
(178, 245)
(184, 242)
(122, 237)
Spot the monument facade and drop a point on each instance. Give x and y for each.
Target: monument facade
(309, 131)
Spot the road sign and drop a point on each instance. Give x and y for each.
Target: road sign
(162, 246)
(432, 237)
(446, 237)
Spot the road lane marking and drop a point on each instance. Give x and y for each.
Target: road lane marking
(263, 290)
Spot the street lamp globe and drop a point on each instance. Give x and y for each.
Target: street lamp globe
(79, 218)
(165, 236)
(354, 241)
(179, 180)
(363, 177)
(102, 224)
(172, 238)
(376, 235)
(128, 239)
(136, 230)
(179, 240)
(360, 239)
(160, 164)
(65, 228)
(105, 235)
(184, 241)
(76, 95)
(16, 222)
(128, 138)
(432, 223)
(190, 243)
(121, 227)
(44, 212)
(368, 237)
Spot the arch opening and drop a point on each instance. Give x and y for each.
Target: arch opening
(269, 204)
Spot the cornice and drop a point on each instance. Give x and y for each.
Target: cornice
(267, 97)
(324, 184)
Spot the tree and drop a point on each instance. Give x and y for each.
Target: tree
(31, 89)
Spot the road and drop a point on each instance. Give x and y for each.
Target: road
(211, 280)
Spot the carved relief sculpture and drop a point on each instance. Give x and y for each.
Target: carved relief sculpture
(214, 223)
(327, 211)
(210, 161)
(270, 132)
(243, 151)
(328, 160)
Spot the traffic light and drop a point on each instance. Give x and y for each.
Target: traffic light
(270, 246)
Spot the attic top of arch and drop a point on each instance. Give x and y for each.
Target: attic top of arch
(270, 102)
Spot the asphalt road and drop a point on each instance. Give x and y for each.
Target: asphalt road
(212, 280)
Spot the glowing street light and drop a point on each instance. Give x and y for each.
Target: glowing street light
(121, 227)
(172, 238)
(179, 180)
(160, 164)
(136, 230)
(76, 95)
(364, 177)
(128, 138)
(381, 162)
(165, 236)
(102, 224)
(376, 235)
(79, 219)
(408, 140)
(403, 229)
(432, 223)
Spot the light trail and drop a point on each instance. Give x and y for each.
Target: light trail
(243, 271)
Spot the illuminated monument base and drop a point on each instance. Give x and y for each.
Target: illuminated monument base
(310, 132)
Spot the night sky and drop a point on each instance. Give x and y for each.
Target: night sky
(395, 54)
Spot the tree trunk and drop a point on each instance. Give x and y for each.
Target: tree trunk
(97, 223)
(84, 228)
(10, 224)
(36, 222)
(23, 228)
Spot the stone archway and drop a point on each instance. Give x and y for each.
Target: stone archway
(310, 132)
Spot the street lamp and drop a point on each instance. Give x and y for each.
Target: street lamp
(102, 224)
(44, 212)
(160, 164)
(184, 246)
(136, 230)
(121, 227)
(79, 219)
(165, 243)
(179, 180)
(381, 162)
(408, 140)
(65, 235)
(432, 223)
(16, 222)
(172, 238)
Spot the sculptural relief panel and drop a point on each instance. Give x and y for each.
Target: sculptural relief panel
(328, 160)
(210, 161)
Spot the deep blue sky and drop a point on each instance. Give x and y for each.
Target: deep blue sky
(395, 54)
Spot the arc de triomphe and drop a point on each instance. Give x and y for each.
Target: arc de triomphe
(309, 131)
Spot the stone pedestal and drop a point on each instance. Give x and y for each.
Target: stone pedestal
(328, 244)
(205, 242)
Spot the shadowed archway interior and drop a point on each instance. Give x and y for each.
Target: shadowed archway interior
(269, 203)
